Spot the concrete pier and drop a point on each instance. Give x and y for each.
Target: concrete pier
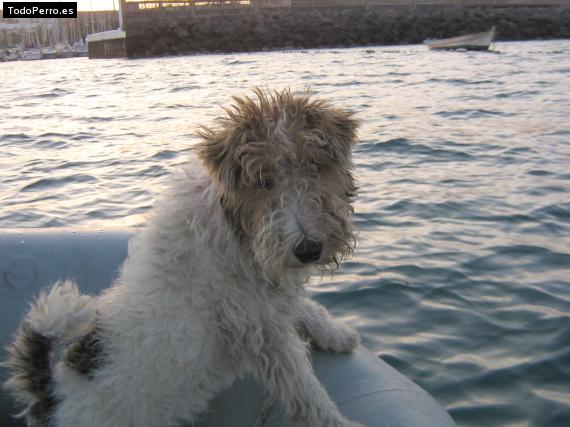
(109, 44)
(243, 27)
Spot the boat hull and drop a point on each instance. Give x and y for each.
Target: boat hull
(479, 41)
(364, 387)
(31, 55)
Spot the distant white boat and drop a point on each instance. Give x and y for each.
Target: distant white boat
(10, 55)
(49, 53)
(478, 41)
(81, 51)
(31, 54)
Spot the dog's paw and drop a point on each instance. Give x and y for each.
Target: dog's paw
(348, 341)
(344, 339)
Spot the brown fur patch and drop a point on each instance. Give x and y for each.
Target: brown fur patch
(86, 355)
(29, 362)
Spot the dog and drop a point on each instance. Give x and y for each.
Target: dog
(213, 288)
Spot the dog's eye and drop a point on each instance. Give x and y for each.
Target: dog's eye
(317, 167)
(267, 183)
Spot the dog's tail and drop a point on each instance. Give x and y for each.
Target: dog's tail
(56, 316)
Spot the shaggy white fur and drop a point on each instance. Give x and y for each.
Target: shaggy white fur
(210, 291)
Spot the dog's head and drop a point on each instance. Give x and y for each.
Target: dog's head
(283, 167)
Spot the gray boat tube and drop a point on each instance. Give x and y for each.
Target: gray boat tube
(364, 387)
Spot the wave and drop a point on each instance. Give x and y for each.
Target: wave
(44, 183)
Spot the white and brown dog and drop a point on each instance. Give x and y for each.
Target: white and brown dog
(213, 288)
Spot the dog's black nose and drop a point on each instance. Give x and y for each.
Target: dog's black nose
(308, 250)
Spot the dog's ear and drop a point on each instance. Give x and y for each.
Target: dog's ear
(218, 153)
(346, 126)
(335, 125)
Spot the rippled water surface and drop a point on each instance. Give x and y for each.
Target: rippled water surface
(462, 277)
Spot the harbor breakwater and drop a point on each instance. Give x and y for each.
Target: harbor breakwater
(163, 31)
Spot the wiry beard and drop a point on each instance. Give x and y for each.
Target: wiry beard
(272, 247)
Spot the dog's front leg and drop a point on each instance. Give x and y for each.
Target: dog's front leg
(328, 334)
(285, 370)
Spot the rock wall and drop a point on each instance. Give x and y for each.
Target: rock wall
(162, 32)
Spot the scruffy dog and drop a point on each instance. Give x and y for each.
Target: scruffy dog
(213, 288)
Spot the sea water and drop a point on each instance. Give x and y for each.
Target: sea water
(461, 279)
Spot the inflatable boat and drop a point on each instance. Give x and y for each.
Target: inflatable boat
(364, 387)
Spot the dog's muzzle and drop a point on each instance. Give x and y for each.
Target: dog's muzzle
(308, 250)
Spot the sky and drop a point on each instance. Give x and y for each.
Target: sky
(83, 4)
